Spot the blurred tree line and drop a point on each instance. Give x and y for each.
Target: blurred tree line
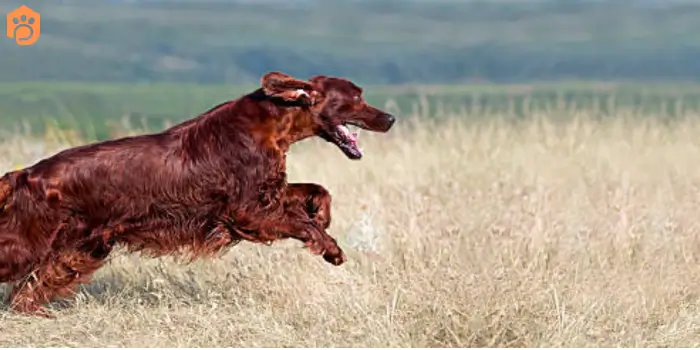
(373, 41)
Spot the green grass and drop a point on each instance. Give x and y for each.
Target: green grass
(100, 110)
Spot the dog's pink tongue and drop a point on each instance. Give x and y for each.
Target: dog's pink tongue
(352, 136)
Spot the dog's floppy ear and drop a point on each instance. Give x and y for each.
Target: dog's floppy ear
(288, 89)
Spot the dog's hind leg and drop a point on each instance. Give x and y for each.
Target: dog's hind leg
(59, 274)
(16, 258)
(16, 255)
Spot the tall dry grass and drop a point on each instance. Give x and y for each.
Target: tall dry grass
(489, 233)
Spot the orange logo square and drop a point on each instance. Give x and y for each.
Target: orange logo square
(24, 25)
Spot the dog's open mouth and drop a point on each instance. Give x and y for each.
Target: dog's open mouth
(346, 140)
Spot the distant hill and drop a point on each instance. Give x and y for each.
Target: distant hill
(375, 41)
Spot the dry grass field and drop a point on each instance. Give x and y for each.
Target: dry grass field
(542, 234)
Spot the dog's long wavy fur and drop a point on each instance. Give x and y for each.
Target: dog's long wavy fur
(194, 189)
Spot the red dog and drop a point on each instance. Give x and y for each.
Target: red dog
(198, 187)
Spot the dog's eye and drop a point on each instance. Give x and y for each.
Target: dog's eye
(356, 98)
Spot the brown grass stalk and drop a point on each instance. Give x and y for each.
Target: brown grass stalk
(542, 234)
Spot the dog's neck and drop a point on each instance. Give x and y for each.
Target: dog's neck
(302, 124)
(272, 126)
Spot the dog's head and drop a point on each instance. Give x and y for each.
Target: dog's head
(338, 103)
(330, 106)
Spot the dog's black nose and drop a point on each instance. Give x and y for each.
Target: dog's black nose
(390, 119)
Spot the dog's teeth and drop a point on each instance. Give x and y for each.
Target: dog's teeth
(343, 129)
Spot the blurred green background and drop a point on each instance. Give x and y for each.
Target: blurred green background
(104, 65)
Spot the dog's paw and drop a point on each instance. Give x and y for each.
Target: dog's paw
(333, 253)
(336, 259)
(32, 310)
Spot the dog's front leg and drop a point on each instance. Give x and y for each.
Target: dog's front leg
(313, 202)
(313, 199)
(303, 214)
